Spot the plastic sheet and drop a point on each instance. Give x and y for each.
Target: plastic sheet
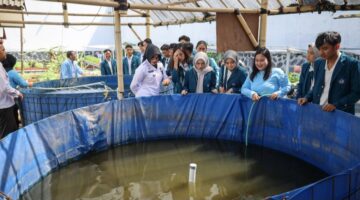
(52, 97)
(48, 98)
(327, 140)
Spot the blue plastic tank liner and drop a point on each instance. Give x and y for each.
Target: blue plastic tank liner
(52, 97)
(48, 98)
(327, 140)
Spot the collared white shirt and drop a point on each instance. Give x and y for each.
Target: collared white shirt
(110, 66)
(228, 75)
(141, 58)
(7, 93)
(74, 69)
(311, 69)
(147, 79)
(129, 64)
(328, 75)
(167, 60)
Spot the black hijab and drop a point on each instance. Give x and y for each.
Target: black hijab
(151, 51)
(9, 62)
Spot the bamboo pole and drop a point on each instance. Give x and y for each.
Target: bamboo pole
(263, 23)
(185, 21)
(148, 24)
(179, 8)
(65, 14)
(180, 2)
(90, 2)
(69, 14)
(305, 9)
(133, 30)
(247, 30)
(147, 7)
(138, 12)
(70, 24)
(285, 10)
(347, 16)
(301, 9)
(22, 50)
(118, 46)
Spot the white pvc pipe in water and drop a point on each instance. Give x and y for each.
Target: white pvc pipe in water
(192, 173)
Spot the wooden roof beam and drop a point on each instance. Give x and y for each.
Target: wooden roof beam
(65, 15)
(70, 24)
(61, 14)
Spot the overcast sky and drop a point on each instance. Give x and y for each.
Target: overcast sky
(295, 30)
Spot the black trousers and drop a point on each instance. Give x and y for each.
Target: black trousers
(7, 121)
(16, 112)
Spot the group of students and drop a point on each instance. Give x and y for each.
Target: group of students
(333, 79)
(194, 72)
(330, 78)
(198, 76)
(175, 64)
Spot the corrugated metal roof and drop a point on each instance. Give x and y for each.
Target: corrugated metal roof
(165, 17)
(12, 4)
(173, 17)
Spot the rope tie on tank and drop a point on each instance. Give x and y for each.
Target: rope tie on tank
(78, 87)
(5, 196)
(106, 91)
(248, 120)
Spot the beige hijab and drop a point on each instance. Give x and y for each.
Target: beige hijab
(201, 73)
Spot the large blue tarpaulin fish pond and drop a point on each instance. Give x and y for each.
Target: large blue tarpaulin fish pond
(48, 98)
(52, 97)
(329, 141)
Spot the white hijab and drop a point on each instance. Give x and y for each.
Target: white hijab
(201, 73)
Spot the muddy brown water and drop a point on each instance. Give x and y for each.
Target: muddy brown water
(159, 170)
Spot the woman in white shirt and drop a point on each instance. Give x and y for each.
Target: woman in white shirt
(150, 74)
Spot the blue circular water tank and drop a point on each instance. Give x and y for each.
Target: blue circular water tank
(328, 141)
(48, 98)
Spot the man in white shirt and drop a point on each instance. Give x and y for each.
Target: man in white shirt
(337, 81)
(7, 94)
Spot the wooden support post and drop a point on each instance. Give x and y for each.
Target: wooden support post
(263, 23)
(66, 16)
(22, 50)
(133, 30)
(247, 30)
(148, 24)
(118, 46)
